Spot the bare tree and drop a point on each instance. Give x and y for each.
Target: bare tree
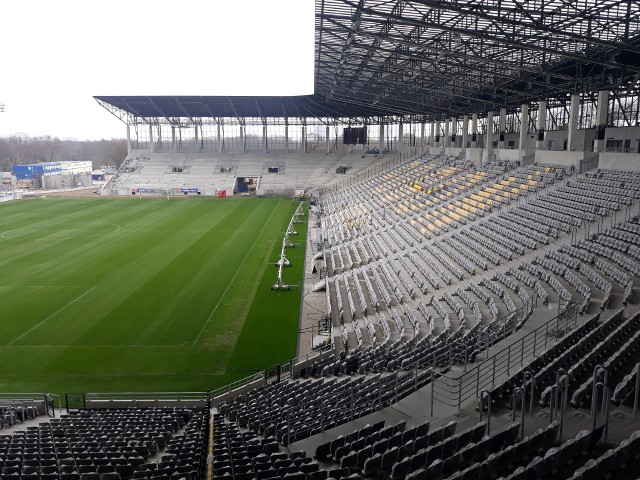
(23, 149)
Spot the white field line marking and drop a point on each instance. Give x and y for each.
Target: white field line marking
(51, 316)
(236, 274)
(43, 286)
(80, 228)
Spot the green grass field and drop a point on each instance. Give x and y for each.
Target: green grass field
(127, 295)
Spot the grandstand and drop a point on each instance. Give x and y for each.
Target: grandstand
(478, 276)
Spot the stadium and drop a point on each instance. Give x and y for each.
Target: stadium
(428, 268)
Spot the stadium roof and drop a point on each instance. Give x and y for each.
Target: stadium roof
(238, 106)
(441, 58)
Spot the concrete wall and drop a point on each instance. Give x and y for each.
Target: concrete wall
(510, 154)
(556, 139)
(620, 161)
(453, 150)
(625, 133)
(560, 157)
(474, 155)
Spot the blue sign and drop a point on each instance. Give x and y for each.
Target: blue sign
(190, 190)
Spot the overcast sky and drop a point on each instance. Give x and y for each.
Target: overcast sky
(56, 55)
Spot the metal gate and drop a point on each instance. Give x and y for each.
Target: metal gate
(49, 405)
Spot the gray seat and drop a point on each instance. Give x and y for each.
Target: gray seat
(390, 457)
(364, 454)
(349, 461)
(400, 469)
(372, 465)
(419, 474)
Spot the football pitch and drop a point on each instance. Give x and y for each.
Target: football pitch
(128, 295)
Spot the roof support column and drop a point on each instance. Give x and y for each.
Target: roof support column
(195, 128)
(286, 137)
(265, 147)
(474, 130)
(381, 139)
(465, 131)
(432, 136)
(454, 132)
(502, 127)
(542, 122)
(173, 137)
(150, 138)
(327, 139)
(438, 143)
(242, 127)
(128, 139)
(601, 120)
(219, 140)
(422, 129)
(489, 136)
(447, 138)
(304, 139)
(524, 125)
(400, 146)
(574, 110)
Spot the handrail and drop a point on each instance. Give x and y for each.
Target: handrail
(166, 396)
(529, 380)
(469, 384)
(514, 407)
(597, 370)
(21, 397)
(637, 391)
(481, 401)
(605, 408)
(559, 390)
(237, 384)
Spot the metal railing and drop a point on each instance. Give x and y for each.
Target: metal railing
(454, 391)
(148, 396)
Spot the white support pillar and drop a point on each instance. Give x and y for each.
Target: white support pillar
(453, 132)
(150, 138)
(242, 131)
(465, 131)
(423, 127)
(447, 138)
(542, 122)
(128, 139)
(474, 130)
(219, 140)
(286, 138)
(489, 144)
(524, 126)
(304, 139)
(438, 137)
(327, 139)
(574, 111)
(195, 128)
(602, 109)
(265, 147)
(432, 137)
(173, 137)
(502, 129)
(381, 137)
(400, 146)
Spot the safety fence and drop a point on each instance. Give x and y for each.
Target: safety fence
(454, 389)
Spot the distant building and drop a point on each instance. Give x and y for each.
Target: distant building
(53, 175)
